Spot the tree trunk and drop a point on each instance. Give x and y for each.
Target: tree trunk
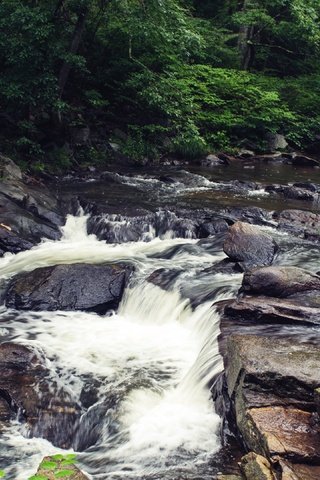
(74, 47)
(245, 42)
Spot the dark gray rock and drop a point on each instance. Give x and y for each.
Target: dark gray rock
(213, 227)
(280, 281)
(249, 246)
(97, 288)
(9, 242)
(30, 394)
(263, 310)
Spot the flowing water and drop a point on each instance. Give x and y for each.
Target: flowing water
(141, 376)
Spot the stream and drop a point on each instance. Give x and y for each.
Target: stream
(141, 375)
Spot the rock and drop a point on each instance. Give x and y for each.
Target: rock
(303, 161)
(229, 477)
(284, 431)
(243, 153)
(209, 228)
(164, 278)
(213, 161)
(256, 467)
(313, 187)
(262, 309)
(80, 135)
(57, 466)
(226, 266)
(249, 246)
(317, 399)
(279, 281)
(276, 142)
(271, 384)
(297, 221)
(9, 242)
(28, 392)
(292, 192)
(9, 170)
(252, 215)
(97, 288)
(298, 471)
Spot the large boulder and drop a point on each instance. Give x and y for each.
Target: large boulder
(248, 245)
(96, 288)
(297, 221)
(277, 281)
(29, 393)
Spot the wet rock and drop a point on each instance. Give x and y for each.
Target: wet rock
(249, 246)
(229, 477)
(164, 277)
(9, 170)
(317, 399)
(303, 161)
(252, 215)
(28, 392)
(277, 281)
(291, 471)
(59, 466)
(297, 221)
(213, 161)
(271, 384)
(9, 242)
(262, 309)
(209, 228)
(226, 266)
(97, 288)
(256, 467)
(243, 153)
(292, 192)
(312, 187)
(284, 431)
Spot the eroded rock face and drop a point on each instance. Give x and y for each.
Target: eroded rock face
(249, 246)
(27, 393)
(256, 467)
(97, 288)
(271, 383)
(279, 281)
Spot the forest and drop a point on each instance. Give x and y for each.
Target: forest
(150, 78)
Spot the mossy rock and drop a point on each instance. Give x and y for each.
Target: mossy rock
(59, 467)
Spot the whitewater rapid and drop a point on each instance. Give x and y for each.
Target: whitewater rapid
(157, 353)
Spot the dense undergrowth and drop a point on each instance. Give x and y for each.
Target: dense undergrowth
(155, 77)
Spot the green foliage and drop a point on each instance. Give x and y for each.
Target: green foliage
(167, 73)
(54, 466)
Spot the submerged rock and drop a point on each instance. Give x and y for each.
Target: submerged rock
(280, 281)
(96, 288)
(249, 246)
(30, 394)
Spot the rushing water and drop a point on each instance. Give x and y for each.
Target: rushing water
(157, 354)
(141, 376)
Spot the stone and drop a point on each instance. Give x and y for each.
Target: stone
(317, 399)
(256, 467)
(273, 365)
(248, 245)
(96, 288)
(213, 161)
(209, 228)
(9, 242)
(298, 221)
(296, 471)
(284, 431)
(243, 153)
(304, 161)
(262, 309)
(277, 281)
(276, 142)
(52, 467)
(9, 170)
(229, 477)
(29, 393)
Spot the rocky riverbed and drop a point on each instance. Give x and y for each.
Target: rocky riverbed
(170, 327)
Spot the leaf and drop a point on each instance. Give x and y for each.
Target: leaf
(2, 474)
(65, 463)
(63, 473)
(48, 465)
(71, 456)
(38, 477)
(58, 456)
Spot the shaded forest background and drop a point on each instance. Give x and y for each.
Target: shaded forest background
(148, 78)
